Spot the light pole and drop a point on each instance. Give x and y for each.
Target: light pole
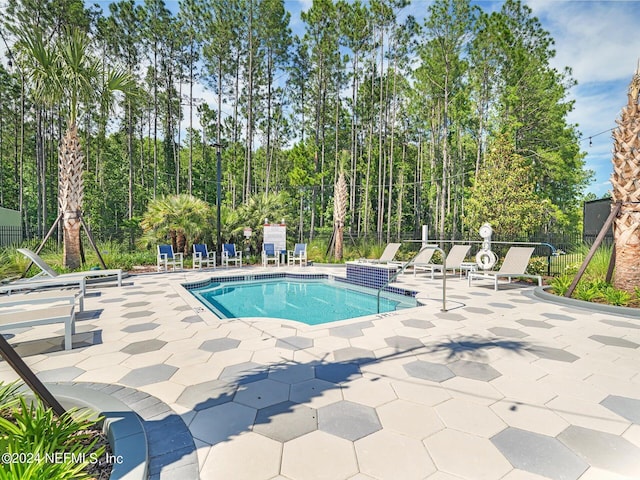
(218, 147)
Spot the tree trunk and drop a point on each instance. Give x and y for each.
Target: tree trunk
(626, 189)
(71, 195)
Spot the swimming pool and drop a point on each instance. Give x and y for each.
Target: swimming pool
(310, 301)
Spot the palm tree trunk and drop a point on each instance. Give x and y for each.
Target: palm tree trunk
(71, 195)
(626, 189)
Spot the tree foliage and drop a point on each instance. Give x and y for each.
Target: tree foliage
(503, 194)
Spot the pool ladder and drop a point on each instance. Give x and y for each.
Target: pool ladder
(404, 267)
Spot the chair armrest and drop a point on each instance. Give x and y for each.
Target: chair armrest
(179, 255)
(197, 255)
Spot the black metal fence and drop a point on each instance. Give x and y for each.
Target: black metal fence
(561, 251)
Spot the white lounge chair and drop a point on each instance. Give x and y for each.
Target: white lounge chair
(387, 255)
(454, 258)
(230, 254)
(202, 256)
(298, 254)
(514, 265)
(47, 271)
(422, 259)
(27, 318)
(269, 254)
(167, 258)
(47, 296)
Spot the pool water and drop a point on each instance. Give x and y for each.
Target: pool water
(312, 302)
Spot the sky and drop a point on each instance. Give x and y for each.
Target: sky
(598, 39)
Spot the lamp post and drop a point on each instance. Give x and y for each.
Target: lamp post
(218, 147)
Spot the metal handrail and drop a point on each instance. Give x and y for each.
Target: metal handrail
(404, 267)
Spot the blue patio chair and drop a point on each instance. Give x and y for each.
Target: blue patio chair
(230, 254)
(269, 254)
(167, 258)
(299, 254)
(202, 256)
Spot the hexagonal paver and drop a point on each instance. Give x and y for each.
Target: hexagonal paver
(337, 372)
(620, 323)
(428, 371)
(558, 316)
(530, 417)
(294, 343)
(135, 304)
(410, 419)
(456, 317)
(192, 319)
(144, 346)
(603, 450)
(388, 455)
(138, 314)
(474, 370)
(534, 323)
(368, 391)
(219, 344)
(614, 341)
(207, 394)
(318, 455)
(354, 355)
(346, 331)
(138, 377)
(262, 393)
(404, 343)
(64, 374)
(140, 327)
(550, 353)
(348, 420)
(479, 310)
(246, 372)
(508, 332)
(501, 305)
(249, 456)
(230, 419)
(286, 421)
(291, 372)
(315, 392)
(417, 323)
(539, 454)
(626, 407)
(451, 452)
(470, 417)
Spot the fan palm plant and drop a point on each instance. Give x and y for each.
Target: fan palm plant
(179, 218)
(340, 209)
(626, 190)
(63, 71)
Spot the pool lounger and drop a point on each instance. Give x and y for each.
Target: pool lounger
(29, 318)
(47, 296)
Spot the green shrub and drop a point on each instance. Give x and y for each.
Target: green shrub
(613, 296)
(538, 266)
(561, 284)
(588, 291)
(42, 445)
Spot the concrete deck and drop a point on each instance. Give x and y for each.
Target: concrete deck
(501, 386)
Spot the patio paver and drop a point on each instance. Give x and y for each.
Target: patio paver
(502, 386)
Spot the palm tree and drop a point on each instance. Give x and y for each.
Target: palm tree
(62, 71)
(179, 218)
(340, 209)
(626, 190)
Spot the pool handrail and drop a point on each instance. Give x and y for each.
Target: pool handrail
(407, 264)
